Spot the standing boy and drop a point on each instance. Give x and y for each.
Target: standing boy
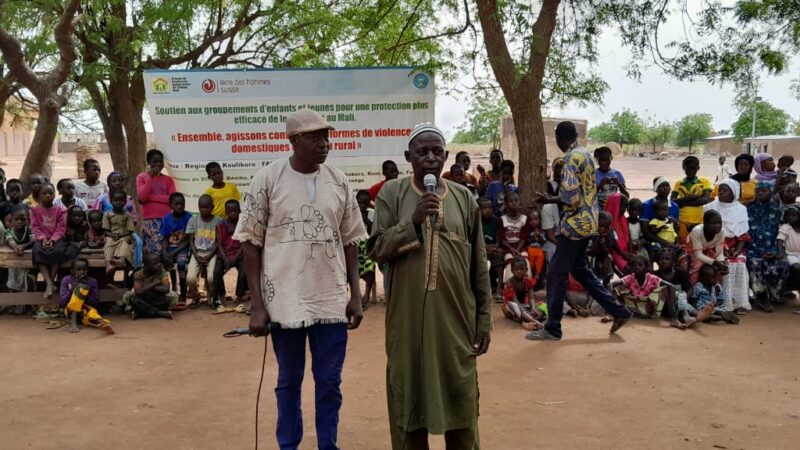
(229, 254)
(202, 235)
(691, 193)
(723, 171)
(220, 191)
(608, 180)
(90, 188)
(390, 172)
(175, 249)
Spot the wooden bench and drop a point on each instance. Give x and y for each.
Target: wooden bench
(10, 260)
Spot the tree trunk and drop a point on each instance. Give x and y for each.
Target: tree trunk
(130, 98)
(529, 132)
(43, 138)
(522, 89)
(691, 141)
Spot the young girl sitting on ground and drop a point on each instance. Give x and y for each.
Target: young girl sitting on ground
(519, 304)
(366, 266)
(513, 233)
(641, 291)
(119, 246)
(50, 249)
(96, 236)
(736, 283)
(709, 297)
(78, 297)
(77, 229)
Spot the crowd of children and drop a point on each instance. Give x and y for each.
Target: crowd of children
(695, 252)
(91, 217)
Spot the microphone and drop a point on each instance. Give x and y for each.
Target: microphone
(430, 186)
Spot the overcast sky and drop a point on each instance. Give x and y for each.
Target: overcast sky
(656, 95)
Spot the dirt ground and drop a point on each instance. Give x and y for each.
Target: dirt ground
(181, 385)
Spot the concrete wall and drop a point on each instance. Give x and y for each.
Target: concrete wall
(508, 140)
(722, 146)
(777, 147)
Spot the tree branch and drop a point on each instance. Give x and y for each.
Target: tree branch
(66, 46)
(15, 59)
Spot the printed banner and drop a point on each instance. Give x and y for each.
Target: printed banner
(238, 117)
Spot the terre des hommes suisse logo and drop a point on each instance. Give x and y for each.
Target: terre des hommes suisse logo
(160, 86)
(421, 81)
(208, 86)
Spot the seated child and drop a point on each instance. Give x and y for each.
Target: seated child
(19, 238)
(601, 248)
(78, 297)
(35, 181)
(96, 236)
(513, 233)
(788, 194)
(641, 291)
(519, 303)
(366, 266)
(667, 259)
(175, 251)
(201, 232)
(50, 248)
(119, 245)
(220, 190)
(458, 175)
(708, 297)
(116, 182)
(229, 254)
(14, 192)
(536, 240)
(493, 253)
(150, 296)
(77, 228)
(663, 227)
(66, 189)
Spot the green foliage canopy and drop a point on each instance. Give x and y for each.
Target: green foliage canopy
(769, 120)
(625, 127)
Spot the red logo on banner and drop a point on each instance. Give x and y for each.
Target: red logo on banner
(208, 86)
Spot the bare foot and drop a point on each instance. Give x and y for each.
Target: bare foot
(606, 319)
(48, 291)
(706, 312)
(73, 329)
(583, 312)
(107, 328)
(689, 321)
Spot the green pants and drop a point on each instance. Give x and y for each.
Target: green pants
(461, 439)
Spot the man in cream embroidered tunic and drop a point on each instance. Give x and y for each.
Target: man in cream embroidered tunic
(299, 227)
